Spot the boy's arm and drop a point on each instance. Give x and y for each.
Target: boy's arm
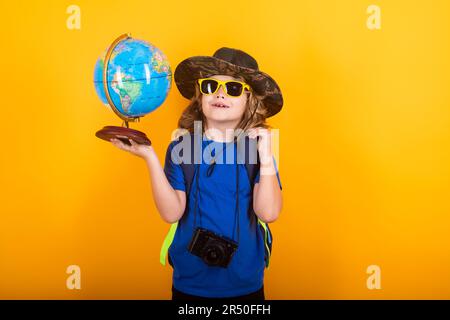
(267, 196)
(170, 202)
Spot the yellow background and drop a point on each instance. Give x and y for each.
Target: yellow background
(364, 154)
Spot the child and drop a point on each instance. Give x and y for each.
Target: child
(216, 251)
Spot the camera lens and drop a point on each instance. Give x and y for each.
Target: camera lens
(214, 254)
(213, 249)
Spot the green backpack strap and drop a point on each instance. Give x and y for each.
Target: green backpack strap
(266, 240)
(167, 242)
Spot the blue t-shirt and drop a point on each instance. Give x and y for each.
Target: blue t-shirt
(217, 212)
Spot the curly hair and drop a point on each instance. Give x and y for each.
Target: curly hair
(193, 112)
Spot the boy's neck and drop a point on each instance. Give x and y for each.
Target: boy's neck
(220, 132)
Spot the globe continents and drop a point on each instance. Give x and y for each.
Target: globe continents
(138, 77)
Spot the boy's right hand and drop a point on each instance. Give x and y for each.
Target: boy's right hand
(140, 150)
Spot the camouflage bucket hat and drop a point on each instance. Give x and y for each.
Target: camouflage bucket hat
(231, 62)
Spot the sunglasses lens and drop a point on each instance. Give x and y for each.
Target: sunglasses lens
(208, 86)
(234, 89)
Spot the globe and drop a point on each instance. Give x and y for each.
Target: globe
(138, 77)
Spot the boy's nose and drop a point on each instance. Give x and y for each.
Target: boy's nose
(220, 91)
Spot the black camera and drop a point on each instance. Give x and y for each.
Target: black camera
(214, 250)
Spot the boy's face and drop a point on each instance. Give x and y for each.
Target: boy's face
(235, 105)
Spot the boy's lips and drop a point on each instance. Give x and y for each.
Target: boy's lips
(219, 105)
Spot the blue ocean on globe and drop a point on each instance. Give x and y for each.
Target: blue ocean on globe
(139, 77)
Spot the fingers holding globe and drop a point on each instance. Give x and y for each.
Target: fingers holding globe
(137, 149)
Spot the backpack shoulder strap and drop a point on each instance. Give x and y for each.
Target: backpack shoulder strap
(189, 168)
(251, 156)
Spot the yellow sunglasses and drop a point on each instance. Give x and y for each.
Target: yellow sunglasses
(232, 88)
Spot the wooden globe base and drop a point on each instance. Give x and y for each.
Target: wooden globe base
(123, 134)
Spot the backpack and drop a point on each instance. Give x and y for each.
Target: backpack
(189, 172)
